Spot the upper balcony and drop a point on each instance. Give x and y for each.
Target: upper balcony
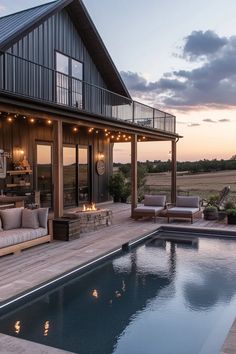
(24, 78)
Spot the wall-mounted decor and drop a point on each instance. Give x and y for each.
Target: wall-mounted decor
(100, 167)
(3, 169)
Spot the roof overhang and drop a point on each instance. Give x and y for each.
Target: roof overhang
(27, 106)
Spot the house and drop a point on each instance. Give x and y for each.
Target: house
(63, 106)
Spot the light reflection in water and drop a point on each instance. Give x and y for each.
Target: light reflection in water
(17, 327)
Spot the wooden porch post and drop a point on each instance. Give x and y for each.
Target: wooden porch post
(58, 169)
(173, 171)
(134, 178)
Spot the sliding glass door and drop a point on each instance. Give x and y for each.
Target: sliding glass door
(44, 173)
(69, 176)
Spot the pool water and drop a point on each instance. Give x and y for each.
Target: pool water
(160, 298)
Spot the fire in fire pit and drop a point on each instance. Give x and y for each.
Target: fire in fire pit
(91, 207)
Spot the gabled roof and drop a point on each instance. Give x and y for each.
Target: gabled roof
(14, 27)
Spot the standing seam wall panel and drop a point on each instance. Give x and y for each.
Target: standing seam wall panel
(57, 33)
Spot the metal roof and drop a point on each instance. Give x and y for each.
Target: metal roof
(14, 23)
(15, 26)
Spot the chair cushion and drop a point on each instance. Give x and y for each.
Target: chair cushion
(154, 200)
(182, 211)
(30, 218)
(43, 217)
(188, 202)
(11, 218)
(147, 210)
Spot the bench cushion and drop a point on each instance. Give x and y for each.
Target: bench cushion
(15, 236)
(154, 200)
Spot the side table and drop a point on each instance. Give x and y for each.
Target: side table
(66, 229)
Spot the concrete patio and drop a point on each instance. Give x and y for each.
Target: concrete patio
(42, 263)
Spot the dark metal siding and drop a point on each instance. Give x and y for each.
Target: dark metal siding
(58, 33)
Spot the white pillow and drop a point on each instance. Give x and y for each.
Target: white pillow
(11, 218)
(30, 218)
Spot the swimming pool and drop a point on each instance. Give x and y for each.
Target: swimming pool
(160, 297)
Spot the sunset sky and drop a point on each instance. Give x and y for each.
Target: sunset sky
(178, 56)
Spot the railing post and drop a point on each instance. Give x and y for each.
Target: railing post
(133, 113)
(134, 174)
(173, 171)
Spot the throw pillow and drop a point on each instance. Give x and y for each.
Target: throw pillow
(11, 218)
(30, 218)
(43, 217)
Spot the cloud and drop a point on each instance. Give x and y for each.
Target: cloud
(224, 120)
(208, 120)
(200, 44)
(190, 125)
(210, 85)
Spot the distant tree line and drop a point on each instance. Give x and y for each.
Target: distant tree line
(189, 166)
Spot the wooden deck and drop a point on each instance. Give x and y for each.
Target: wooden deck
(42, 263)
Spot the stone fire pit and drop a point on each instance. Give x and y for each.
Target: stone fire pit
(91, 220)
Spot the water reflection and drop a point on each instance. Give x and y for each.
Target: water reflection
(215, 277)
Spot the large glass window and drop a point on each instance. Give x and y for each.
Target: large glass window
(69, 176)
(44, 173)
(62, 67)
(69, 81)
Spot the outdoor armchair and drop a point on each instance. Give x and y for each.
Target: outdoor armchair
(187, 207)
(153, 206)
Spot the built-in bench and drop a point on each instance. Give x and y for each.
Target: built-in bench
(22, 228)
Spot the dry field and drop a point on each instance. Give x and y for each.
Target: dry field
(204, 184)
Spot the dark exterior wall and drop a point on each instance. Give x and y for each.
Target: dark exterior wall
(57, 33)
(22, 134)
(25, 135)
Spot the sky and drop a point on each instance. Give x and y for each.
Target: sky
(178, 56)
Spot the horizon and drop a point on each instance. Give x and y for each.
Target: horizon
(186, 68)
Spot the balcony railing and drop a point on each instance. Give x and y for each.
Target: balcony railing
(28, 79)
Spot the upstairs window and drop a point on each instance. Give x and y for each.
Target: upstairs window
(69, 76)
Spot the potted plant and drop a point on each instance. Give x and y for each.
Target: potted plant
(116, 186)
(210, 212)
(231, 214)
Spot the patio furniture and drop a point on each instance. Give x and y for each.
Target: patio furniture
(153, 206)
(220, 200)
(22, 228)
(186, 207)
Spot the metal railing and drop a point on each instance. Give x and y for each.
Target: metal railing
(28, 79)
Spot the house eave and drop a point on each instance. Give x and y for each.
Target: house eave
(11, 102)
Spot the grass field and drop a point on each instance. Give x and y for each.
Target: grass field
(204, 184)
